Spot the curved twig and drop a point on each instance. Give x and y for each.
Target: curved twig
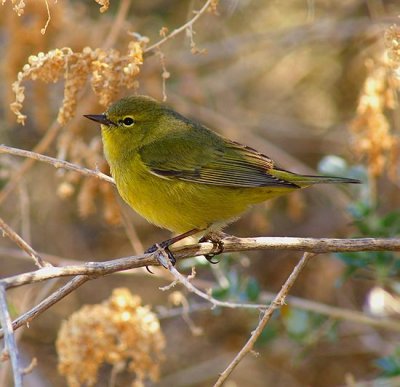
(180, 29)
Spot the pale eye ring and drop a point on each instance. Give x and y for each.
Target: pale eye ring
(128, 121)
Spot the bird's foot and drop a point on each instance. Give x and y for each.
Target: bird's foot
(218, 244)
(163, 248)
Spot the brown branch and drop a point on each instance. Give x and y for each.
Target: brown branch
(231, 244)
(337, 313)
(181, 28)
(12, 235)
(330, 311)
(93, 270)
(57, 163)
(42, 145)
(312, 245)
(185, 281)
(9, 339)
(48, 302)
(118, 23)
(276, 304)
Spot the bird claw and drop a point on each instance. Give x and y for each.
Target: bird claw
(162, 247)
(217, 243)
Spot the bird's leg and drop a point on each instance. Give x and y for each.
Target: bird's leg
(216, 240)
(167, 243)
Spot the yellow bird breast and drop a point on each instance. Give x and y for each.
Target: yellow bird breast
(179, 205)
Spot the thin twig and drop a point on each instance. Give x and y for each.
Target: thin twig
(337, 313)
(9, 339)
(118, 23)
(130, 230)
(41, 147)
(181, 28)
(189, 286)
(57, 163)
(48, 302)
(276, 304)
(12, 235)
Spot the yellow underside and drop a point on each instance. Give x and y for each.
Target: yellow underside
(180, 206)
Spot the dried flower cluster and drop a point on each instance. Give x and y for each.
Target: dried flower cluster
(375, 136)
(105, 4)
(19, 5)
(107, 70)
(371, 126)
(392, 43)
(119, 331)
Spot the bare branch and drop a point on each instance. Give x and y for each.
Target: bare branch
(231, 244)
(181, 28)
(337, 313)
(314, 245)
(7, 230)
(57, 163)
(93, 270)
(185, 281)
(48, 302)
(42, 145)
(277, 303)
(10, 343)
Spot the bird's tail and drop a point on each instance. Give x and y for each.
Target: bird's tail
(306, 180)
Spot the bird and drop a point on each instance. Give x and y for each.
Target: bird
(182, 176)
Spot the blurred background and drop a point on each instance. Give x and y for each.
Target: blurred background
(312, 84)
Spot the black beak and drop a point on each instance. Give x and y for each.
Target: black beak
(99, 118)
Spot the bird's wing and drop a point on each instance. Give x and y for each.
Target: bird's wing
(209, 160)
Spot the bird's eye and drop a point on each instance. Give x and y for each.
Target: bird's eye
(128, 121)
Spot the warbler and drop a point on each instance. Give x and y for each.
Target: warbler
(184, 177)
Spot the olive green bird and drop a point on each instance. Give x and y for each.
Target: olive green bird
(182, 176)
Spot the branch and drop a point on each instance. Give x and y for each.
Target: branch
(41, 146)
(231, 244)
(330, 311)
(185, 281)
(48, 302)
(12, 235)
(312, 245)
(10, 344)
(337, 313)
(180, 29)
(277, 303)
(57, 163)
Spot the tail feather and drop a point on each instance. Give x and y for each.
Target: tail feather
(306, 180)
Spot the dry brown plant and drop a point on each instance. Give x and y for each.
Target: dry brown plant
(19, 7)
(119, 331)
(376, 138)
(107, 71)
